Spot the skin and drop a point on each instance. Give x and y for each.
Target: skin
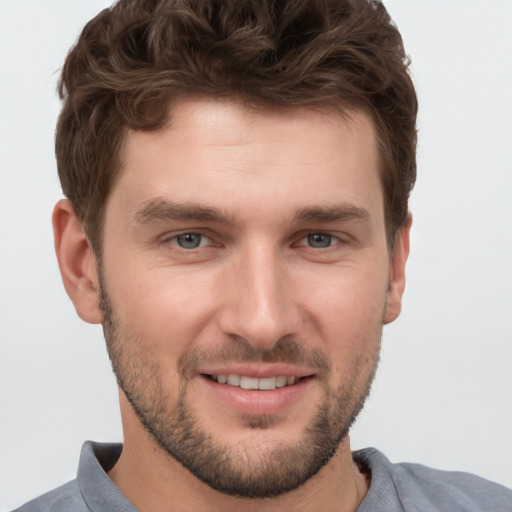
(255, 279)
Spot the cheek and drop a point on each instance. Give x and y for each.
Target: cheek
(349, 300)
(347, 317)
(164, 308)
(350, 325)
(172, 309)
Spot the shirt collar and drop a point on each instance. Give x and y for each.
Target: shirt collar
(98, 491)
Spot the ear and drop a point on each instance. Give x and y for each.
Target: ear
(77, 263)
(396, 287)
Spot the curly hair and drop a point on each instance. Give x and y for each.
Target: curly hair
(133, 60)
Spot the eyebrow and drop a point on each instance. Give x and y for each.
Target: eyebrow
(161, 209)
(335, 213)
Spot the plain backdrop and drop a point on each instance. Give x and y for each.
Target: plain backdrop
(442, 396)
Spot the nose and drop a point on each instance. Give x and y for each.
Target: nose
(259, 305)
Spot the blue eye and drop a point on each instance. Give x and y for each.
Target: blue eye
(319, 240)
(189, 240)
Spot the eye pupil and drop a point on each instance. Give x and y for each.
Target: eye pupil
(319, 240)
(189, 240)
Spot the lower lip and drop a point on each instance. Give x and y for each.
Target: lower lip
(253, 401)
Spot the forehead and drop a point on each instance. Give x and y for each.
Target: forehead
(221, 151)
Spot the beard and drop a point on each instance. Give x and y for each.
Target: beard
(243, 469)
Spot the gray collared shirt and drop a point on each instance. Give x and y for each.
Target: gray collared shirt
(394, 487)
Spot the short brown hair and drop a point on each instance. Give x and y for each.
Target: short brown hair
(135, 58)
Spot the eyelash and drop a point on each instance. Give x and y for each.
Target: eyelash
(331, 240)
(175, 239)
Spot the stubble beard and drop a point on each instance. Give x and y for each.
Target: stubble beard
(243, 470)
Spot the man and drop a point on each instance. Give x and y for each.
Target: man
(237, 177)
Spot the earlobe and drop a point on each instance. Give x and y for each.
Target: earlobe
(396, 287)
(77, 262)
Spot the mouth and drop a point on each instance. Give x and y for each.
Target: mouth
(258, 389)
(254, 383)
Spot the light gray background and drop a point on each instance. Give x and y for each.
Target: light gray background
(443, 393)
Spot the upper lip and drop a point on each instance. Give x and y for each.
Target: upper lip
(259, 371)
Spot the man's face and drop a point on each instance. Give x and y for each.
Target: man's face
(247, 250)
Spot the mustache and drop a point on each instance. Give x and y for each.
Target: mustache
(285, 350)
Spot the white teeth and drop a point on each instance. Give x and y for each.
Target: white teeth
(234, 380)
(266, 384)
(280, 382)
(269, 383)
(248, 383)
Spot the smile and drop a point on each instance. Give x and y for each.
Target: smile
(263, 384)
